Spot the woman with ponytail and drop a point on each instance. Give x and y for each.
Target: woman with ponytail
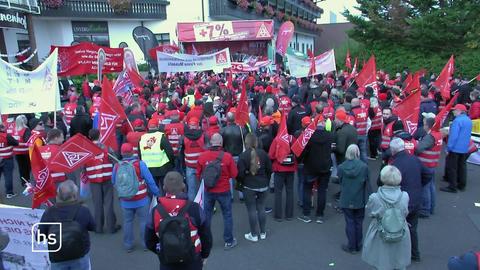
(254, 170)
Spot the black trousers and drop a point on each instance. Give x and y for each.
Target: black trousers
(412, 220)
(283, 179)
(102, 196)
(23, 167)
(322, 185)
(374, 137)
(456, 170)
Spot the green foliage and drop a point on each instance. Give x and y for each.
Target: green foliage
(416, 34)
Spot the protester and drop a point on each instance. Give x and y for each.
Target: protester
(133, 137)
(220, 191)
(427, 105)
(474, 112)
(80, 123)
(317, 162)
(254, 170)
(360, 114)
(458, 143)
(22, 133)
(136, 205)
(54, 140)
(375, 131)
(193, 146)
(376, 251)
(75, 250)
(345, 135)
(294, 120)
(353, 176)
(37, 136)
(176, 204)
(7, 142)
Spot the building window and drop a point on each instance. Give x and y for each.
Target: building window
(163, 38)
(303, 47)
(95, 32)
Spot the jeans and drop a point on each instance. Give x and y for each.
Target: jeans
(362, 145)
(412, 219)
(456, 167)
(82, 263)
(282, 179)
(428, 196)
(225, 200)
(353, 228)
(301, 181)
(374, 137)
(128, 218)
(255, 203)
(192, 184)
(7, 170)
(322, 185)
(232, 181)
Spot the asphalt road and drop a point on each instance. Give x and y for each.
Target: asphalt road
(296, 245)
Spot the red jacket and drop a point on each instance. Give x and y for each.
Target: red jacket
(277, 166)
(229, 169)
(474, 111)
(196, 112)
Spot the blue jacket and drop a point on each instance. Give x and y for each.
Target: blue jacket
(459, 134)
(147, 176)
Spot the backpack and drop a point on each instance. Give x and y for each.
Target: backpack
(71, 240)
(212, 171)
(175, 238)
(126, 182)
(391, 224)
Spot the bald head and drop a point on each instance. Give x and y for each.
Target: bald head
(355, 102)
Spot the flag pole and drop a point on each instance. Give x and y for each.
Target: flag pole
(55, 110)
(474, 78)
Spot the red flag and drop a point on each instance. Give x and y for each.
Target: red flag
(230, 79)
(368, 75)
(408, 111)
(408, 80)
(241, 115)
(478, 77)
(354, 70)
(285, 34)
(313, 68)
(443, 80)
(44, 186)
(348, 60)
(282, 141)
(302, 140)
(110, 113)
(260, 113)
(440, 118)
(135, 78)
(413, 84)
(73, 154)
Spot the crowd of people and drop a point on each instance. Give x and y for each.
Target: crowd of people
(183, 134)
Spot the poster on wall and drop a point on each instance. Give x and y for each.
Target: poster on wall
(17, 223)
(188, 62)
(82, 59)
(20, 89)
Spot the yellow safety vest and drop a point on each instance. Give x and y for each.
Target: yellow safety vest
(150, 150)
(328, 125)
(190, 100)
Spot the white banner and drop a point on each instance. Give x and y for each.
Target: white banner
(242, 67)
(24, 91)
(324, 63)
(188, 62)
(17, 222)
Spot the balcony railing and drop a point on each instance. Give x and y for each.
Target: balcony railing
(140, 9)
(29, 6)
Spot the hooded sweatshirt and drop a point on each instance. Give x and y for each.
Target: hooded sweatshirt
(353, 176)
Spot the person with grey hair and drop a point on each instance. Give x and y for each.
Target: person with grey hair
(353, 176)
(68, 207)
(376, 252)
(414, 176)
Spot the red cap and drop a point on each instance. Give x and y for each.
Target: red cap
(269, 89)
(193, 121)
(233, 110)
(306, 121)
(319, 118)
(341, 115)
(126, 148)
(382, 96)
(96, 82)
(153, 123)
(137, 123)
(213, 120)
(266, 121)
(460, 107)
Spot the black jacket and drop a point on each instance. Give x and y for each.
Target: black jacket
(81, 123)
(232, 139)
(317, 153)
(262, 178)
(294, 120)
(265, 138)
(345, 135)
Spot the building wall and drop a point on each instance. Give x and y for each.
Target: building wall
(11, 41)
(51, 32)
(121, 31)
(332, 11)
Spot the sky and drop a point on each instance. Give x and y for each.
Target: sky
(333, 8)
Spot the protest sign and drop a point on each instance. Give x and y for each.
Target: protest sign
(187, 62)
(300, 68)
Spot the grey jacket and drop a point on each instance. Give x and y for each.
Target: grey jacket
(377, 253)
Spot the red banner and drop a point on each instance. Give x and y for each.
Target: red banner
(368, 75)
(302, 140)
(111, 112)
(443, 80)
(285, 34)
(408, 111)
(73, 154)
(225, 31)
(240, 67)
(83, 59)
(167, 48)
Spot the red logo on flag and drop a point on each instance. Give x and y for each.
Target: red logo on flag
(106, 121)
(42, 178)
(221, 58)
(263, 32)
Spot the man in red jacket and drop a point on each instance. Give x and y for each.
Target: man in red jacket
(221, 191)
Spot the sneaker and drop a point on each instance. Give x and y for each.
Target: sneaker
(231, 245)
(268, 210)
(250, 237)
(11, 195)
(305, 219)
(319, 220)
(448, 189)
(348, 250)
(263, 236)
